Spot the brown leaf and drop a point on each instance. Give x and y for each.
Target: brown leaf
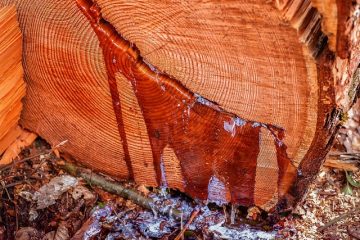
(49, 236)
(26, 233)
(2, 233)
(62, 233)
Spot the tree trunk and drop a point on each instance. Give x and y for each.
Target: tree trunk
(230, 101)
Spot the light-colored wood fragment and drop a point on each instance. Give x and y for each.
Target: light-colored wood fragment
(339, 164)
(25, 139)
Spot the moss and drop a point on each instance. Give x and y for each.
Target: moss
(344, 116)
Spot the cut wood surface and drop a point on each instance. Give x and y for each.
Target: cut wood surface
(12, 85)
(230, 101)
(23, 140)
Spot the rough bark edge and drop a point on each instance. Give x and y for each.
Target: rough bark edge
(338, 80)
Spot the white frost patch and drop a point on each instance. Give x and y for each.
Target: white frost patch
(239, 122)
(163, 174)
(230, 127)
(152, 67)
(216, 191)
(232, 124)
(95, 227)
(245, 233)
(154, 228)
(203, 101)
(279, 143)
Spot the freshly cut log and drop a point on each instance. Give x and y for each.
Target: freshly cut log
(229, 101)
(12, 85)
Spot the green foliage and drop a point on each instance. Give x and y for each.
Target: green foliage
(350, 183)
(347, 190)
(101, 204)
(343, 117)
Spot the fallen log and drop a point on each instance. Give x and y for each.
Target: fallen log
(229, 101)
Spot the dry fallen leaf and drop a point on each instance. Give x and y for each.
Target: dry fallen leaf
(62, 233)
(27, 233)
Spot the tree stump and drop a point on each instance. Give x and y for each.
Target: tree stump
(12, 85)
(229, 101)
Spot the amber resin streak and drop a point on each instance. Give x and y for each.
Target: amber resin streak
(219, 146)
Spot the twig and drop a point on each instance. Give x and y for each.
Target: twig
(47, 152)
(339, 218)
(3, 187)
(182, 225)
(16, 216)
(191, 219)
(233, 214)
(343, 153)
(6, 167)
(116, 188)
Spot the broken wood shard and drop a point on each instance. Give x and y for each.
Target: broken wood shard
(209, 97)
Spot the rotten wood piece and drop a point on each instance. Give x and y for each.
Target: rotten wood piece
(228, 101)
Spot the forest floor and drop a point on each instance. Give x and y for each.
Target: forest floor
(40, 200)
(332, 195)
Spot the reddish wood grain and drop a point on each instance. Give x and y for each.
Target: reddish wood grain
(202, 135)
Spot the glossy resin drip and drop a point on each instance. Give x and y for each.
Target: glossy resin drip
(209, 142)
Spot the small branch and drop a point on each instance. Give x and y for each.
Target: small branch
(339, 218)
(47, 152)
(344, 154)
(12, 185)
(8, 166)
(233, 214)
(5, 188)
(113, 187)
(191, 219)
